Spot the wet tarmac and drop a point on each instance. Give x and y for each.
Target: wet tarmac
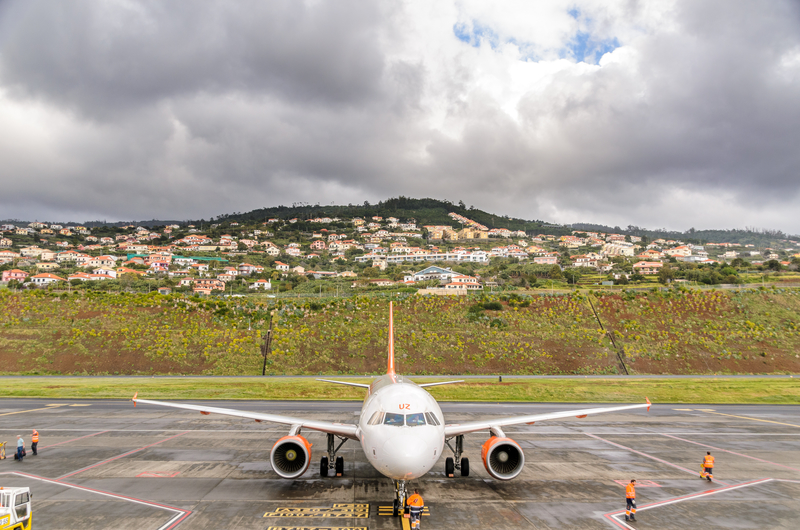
(108, 465)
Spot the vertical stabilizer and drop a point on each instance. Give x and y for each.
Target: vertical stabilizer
(390, 369)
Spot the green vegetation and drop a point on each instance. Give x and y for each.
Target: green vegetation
(656, 332)
(659, 391)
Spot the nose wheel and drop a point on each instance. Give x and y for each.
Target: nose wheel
(456, 462)
(399, 497)
(332, 463)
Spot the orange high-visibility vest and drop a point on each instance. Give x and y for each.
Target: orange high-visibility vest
(35, 437)
(630, 491)
(708, 461)
(415, 500)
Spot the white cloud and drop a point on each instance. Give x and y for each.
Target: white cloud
(134, 109)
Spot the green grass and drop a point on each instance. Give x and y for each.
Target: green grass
(695, 390)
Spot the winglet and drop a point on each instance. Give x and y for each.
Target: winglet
(390, 368)
(648, 403)
(134, 399)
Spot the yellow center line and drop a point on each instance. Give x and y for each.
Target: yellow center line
(754, 419)
(406, 524)
(32, 410)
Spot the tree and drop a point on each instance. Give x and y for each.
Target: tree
(773, 264)
(665, 274)
(555, 273)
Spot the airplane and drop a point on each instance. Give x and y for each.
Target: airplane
(401, 430)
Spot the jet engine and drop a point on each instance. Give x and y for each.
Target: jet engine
(502, 457)
(290, 456)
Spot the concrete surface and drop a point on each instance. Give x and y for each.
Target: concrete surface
(108, 465)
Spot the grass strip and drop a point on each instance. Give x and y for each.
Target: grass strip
(700, 390)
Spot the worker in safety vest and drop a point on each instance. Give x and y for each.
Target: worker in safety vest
(708, 466)
(415, 507)
(630, 501)
(34, 441)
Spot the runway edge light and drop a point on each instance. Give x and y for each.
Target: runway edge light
(134, 399)
(648, 403)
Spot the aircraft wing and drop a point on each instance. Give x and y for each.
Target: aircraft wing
(341, 429)
(455, 429)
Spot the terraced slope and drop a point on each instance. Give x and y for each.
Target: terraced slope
(676, 332)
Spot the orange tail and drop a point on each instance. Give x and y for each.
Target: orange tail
(390, 369)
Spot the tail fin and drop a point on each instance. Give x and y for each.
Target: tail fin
(390, 369)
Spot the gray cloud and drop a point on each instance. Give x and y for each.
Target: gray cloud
(150, 109)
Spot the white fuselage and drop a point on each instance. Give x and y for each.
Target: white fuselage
(398, 428)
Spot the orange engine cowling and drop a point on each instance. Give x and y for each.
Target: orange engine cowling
(502, 457)
(290, 456)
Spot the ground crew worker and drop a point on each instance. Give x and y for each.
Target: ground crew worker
(415, 507)
(34, 441)
(630, 501)
(20, 447)
(708, 466)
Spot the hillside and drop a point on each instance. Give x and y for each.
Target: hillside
(674, 332)
(424, 211)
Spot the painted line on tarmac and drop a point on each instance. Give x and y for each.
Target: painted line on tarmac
(731, 452)
(753, 419)
(120, 456)
(49, 407)
(74, 439)
(565, 433)
(612, 516)
(695, 473)
(180, 513)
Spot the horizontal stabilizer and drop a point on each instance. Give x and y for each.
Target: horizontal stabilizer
(440, 383)
(361, 385)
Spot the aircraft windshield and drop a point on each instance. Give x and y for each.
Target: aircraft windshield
(412, 420)
(393, 419)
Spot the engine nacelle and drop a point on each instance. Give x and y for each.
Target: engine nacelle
(290, 456)
(502, 457)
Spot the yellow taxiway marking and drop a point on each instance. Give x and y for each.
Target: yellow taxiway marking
(706, 410)
(684, 410)
(406, 524)
(351, 511)
(754, 419)
(317, 528)
(81, 405)
(32, 410)
(389, 510)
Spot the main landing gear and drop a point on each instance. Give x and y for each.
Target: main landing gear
(451, 464)
(332, 461)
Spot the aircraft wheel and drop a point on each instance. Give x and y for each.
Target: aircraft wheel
(449, 467)
(323, 466)
(465, 467)
(396, 508)
(339, 466)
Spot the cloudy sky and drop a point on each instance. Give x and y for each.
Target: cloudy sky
(654, 113)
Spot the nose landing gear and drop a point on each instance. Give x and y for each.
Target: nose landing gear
(332, 462)
(400, 497)
(451, 464)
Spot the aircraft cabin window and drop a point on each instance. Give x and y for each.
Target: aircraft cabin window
(413, 420)
(393, 419)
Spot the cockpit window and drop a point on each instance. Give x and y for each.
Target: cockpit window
(432, 420)
(375, 419)
(393, 419)
(413, 420)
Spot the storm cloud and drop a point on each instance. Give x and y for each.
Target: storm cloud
(660, 114)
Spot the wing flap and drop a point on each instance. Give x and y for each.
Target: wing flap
(341, 429)
(484, 425)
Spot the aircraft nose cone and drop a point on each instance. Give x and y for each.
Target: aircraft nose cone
(407, 456)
